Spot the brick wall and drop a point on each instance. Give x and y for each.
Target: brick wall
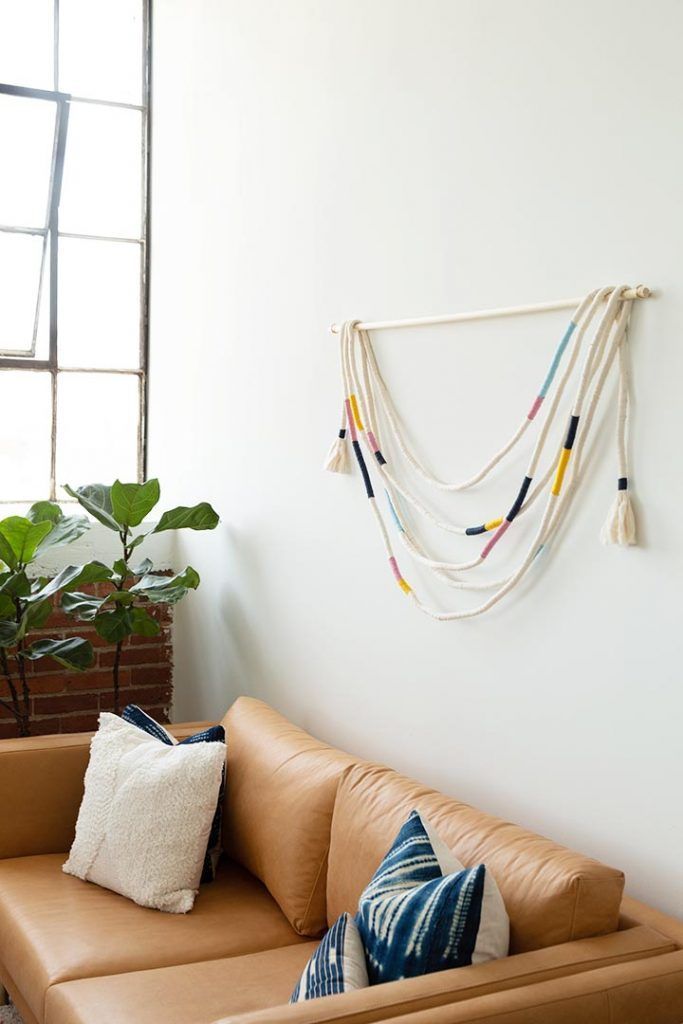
(67, 701)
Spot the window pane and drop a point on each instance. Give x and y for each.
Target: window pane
(27, 130)
(97, 423)
(20, 262)
(100, 49)
(26, 43)
(99, 304)
(25, 436)
(102, 187)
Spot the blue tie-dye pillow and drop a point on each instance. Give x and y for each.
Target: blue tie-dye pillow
(414, 920)
(214, 734)
(338, 964)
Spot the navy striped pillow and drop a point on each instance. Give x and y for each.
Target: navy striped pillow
(214, 734)
(413, 919)
(338, 964)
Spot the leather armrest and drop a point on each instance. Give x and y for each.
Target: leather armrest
(465, 984)
(633, 912)
(651, 990)
(41, 787)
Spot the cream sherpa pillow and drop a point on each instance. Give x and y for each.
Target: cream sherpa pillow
(146, 815)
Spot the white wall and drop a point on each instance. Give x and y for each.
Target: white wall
(317, 159)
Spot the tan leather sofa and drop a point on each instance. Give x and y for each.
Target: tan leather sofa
(305, 826)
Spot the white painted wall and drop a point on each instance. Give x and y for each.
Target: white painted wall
(316, 159)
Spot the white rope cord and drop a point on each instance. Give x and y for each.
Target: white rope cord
(405, 448)
(443, 574)
(369, 414)
(620, 526)
(404, 490)
(552, 516)
(363, 392)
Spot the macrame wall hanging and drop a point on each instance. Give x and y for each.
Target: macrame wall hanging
(596, 334)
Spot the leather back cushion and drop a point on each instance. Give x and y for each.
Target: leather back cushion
(280, 790)
(552, 895)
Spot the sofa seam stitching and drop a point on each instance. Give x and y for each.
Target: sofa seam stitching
(576, 904)
(315, 885)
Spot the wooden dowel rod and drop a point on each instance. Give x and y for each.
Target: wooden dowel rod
(641, 291)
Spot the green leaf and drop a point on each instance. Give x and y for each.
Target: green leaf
(121, 597)
(71, 577)
(65, 528)
(36, 615)
(168, 590)
(95, 499)
(21, 537)
(144, 624)
(65, 531)
(121, 570)
(44, 512)
(137, 541)
(82, 606)
(9, 633)
(114, 626)
(197, 517)
(6, 553)
(7, 610)
(132, 502)
(16, 585)
(144, 567)
(72, 653)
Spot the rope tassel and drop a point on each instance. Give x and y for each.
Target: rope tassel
(337, 460)
(620, 525)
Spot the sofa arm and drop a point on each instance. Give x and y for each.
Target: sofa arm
(649, 991)
(464, 984)
(633, 912)
(41, 787)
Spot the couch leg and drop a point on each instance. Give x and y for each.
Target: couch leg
(4, 998)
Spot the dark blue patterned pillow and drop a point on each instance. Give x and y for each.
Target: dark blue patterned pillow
(412, 919)
(338, 964)
(214, 734)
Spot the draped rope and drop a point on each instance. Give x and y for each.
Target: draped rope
(606, 313)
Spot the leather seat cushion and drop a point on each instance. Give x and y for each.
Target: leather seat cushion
(551, 894)
(281, 789)
(54, 927)
(195, 993)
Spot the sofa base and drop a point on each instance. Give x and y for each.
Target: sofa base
(11, 991)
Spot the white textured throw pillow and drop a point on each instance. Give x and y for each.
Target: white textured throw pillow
(493, 937)
(146, 815)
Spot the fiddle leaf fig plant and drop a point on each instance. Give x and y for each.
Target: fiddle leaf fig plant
(27, 600)
(125, 611)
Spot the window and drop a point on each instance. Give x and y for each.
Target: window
(74, 254)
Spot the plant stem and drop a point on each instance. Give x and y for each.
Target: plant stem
(24, 723)
(26, 693)
(123, 535)
(18, 717)
(13, 704)
(8, 676)
(117, 662)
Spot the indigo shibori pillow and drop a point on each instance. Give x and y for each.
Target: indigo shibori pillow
(338, 964)
(423, 911)
(214, 734)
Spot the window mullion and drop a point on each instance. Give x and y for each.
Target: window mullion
(49, 364)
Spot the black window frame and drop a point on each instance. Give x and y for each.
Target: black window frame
(52, 234)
